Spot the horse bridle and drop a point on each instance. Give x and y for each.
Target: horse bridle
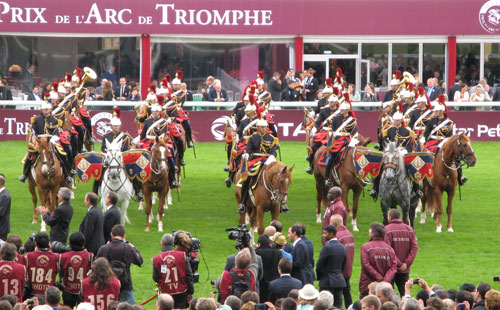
(118, 167)
(461, 157)
(275, 194)
(51, 161)
(157, 163)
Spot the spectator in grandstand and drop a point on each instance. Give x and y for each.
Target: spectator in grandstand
(353, 93)
(89, 95)
(99, 89)
(107, 92)
(432, 90)
(164, 302)
(74, 267)
(302, 267)
(280, 287)
(122, 253)
(480, 295)
(34, 94)
(112, 215)
(205, 91)
(243, 273)
(102, 286)
(270, 259)
(489, 76)
(442, 86)
(134, 95)
(290, 93)
(274, 86)
(378, 261)
(485, 89)
(477, 96)
(290, 76)
(92, 224)
(41, 272)
(59, 219)
(13, 274)
(347, 239)
(217, 93)
(5, 93)
(28, 79)
(455, 87)
(5, 202)
(122, 91)
(189, 94)
(370, 302)
(370, 94)
(402, 239)
(462, 95)
(311, 85)
(110, 75)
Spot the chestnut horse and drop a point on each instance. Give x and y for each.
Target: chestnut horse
(46, 177)
(158, 182)
(270, 194)
(455, 148)
(348, 181)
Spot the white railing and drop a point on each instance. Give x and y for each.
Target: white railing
(26, 105)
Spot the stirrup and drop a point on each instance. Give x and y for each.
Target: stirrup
(284, 209)
(228, 182)
(69, 180)
(182, 162)
(241, 208)
(328, 183)
(309, 170)
(190, 144)
(22, 178)
(174, 184)
(140, 196)
(72, 172)
(419, 194)
(374, 194)
(463, 180)
(226, 169)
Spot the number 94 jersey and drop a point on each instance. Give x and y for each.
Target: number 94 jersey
(12, 276)
(42, 270)
(74, 267)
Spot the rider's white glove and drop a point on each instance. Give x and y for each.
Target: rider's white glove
(422, 140)
(136, 140)
(313, 131)
(269, 160)
(245, 156)
(54, 139)
(169, 121)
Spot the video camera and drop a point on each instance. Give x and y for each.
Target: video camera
(192, 259)
(241, 235)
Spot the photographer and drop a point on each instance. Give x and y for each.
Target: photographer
(74, 267)
(172, 272)
(42, 265)
(242, 277)
(18, 243)
(13, 273)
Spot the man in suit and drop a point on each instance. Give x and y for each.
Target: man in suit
(5, 93)
(217, 93)
(92, 225)
(432, 91)
(28, 79)
(280, 287)
(122, 91)
(309, 244)
(4, 209)
(110, 75)
(311, 85)
(35, 94)
(345, 237)
(302, 268)
(454, 88)
(331, 263)
(270, 259)
(290, 93)
(274, 86)
(209, 82)
(112, 215)
(60, 218)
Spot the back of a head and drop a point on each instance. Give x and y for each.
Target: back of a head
(77, 241)
(302, 227)
(482, 289)
(285, 265)
(264, 241)
(269, 231)
(422, 294)
(394, 214)
(192, 304)
(337, 220)
(15, 240)
(442, 294)
(182, 240)
(167, 241)
(242, 259)
(452, 294)
(118, 230)
(327, 297)
(378, 230)
(389, 305)
(206, 304)
(85, 306)
(8, 252)
(113, 304)
(321, 305)
(233, 302)
(465, 295)
(137, 307)
(248, 306)
(10, 298)
(289, 303)
(164, 302)
(53, 296)
(371, 300)
(277, 224)
(5, 305)
(250, 296)
(124, 306)
(468, 287)
(492, 300)
(411, 304)
(42, 240)
(435, 302)
(294, 294)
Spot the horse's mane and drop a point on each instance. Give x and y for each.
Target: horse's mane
(392, 148)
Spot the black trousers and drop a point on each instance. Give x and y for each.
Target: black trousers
(180, 301)
(400, 280)
(337, 295)
(347, 293)
(71, 300)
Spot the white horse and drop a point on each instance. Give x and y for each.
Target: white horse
(115, 179)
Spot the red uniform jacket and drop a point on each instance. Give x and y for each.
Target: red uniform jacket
(378, 263)
(226, 284)
(74, 267)
(336, 207)
(100, 299)
(42, 270)
(171, 267)
(347, 239)
(12, 278)
(402, 239)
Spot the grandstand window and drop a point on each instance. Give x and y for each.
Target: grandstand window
(377, 54)
(405, 57)
(434, 61)
(468, 56)
(492, 63)
(331, 48)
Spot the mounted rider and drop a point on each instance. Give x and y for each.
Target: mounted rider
(260, 151)
(165, 87)
(179, 96)
(438, 129)
(157, 126)
(421, 115)
(171, 115)
(384, 123)
(143, 109)
(345, 131)
(45, 124)
(126, 142)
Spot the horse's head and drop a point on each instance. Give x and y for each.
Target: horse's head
(46, 154)
(464, 150)
(113, 160)
(159, 156)
(284, 179)
(393, 160)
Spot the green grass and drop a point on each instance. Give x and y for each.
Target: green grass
(207, 207)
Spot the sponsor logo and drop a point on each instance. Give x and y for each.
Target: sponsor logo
(42, 261)
(5, 270)
(76, 260)
(489, 16)
(218, 127)
(100, 124)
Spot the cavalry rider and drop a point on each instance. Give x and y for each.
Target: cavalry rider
(143, 109)
(179, 96)
(165, 88)
(78, 104)
(437, 130)
(320, 130)
(117, 134)
(171, 117)
(45, 124)
(156, 126)
(384, 123)
(239, 108)
(345, 128)
(404, 138)
(261, 149)
(327, 92)
(421, 115)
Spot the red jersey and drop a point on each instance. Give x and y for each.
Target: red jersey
(100, 299)
(12, 277)
(171, 267)
(20, 259)
(75, 266)
(42, 270)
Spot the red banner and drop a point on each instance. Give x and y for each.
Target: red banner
(208, 126)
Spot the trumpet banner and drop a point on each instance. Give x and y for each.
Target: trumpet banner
(89, 165)
(367, 163)
(419, 165)
(137, 164)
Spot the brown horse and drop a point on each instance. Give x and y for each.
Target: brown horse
(348, 181)
(46, 177)
(270, 193)
(158, 181)
(455, 148)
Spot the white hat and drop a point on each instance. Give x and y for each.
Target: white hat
(394, 82)
(327, 90)
(116, 121)
(75, 78)
(421, 99)
(438, 107)
(406, 94)
(261, 123)
(67, 84)
(161, 91)
(151, 97)
(397, 116)
(176, 81)
(155, 108)
(61, 89)
(345, 106)
(250, 107)
(53, 95)
(333, 98)
(386, 104)
(45, 105)
(260, 81)
(308, 292)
